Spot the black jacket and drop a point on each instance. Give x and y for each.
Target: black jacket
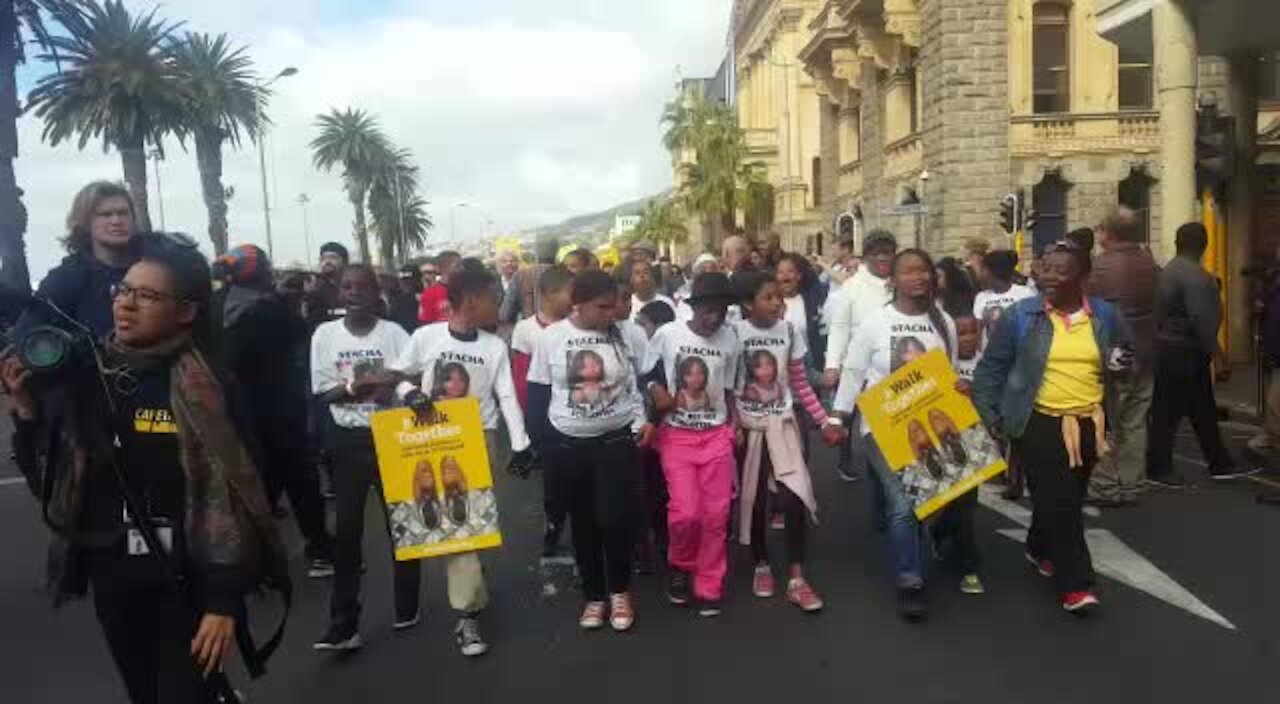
(262, 346)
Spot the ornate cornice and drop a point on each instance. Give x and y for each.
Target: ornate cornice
(902, 19)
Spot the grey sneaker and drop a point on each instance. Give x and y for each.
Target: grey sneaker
(339, 639)
(467, 636)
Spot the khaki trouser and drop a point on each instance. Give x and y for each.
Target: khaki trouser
(467, 590)
(1119, 474)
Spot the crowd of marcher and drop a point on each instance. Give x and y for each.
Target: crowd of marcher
(668, 413)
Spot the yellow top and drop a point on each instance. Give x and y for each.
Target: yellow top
(1072, 376)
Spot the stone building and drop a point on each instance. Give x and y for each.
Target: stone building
(921, 115)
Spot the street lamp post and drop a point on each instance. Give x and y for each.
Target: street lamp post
(453, 223)
(157, 156)
(303, 199)
(262, 154)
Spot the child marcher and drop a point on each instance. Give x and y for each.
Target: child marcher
(350, 360)
(458, 359)
(554, 305)
(774, 472)
(692, 367)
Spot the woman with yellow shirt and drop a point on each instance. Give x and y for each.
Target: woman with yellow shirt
(1043, 381)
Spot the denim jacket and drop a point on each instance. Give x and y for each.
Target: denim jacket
(1008, 378)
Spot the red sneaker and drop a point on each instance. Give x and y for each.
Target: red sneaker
(1079, 601)
(802, 595)
(1044, 567)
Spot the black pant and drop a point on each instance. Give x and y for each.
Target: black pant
(953, 534)
(1057, 498)
(355, 471)
(1183, 388)
(784, 502)
(148, 627)
(591, 478)
(650, 499)
(289, 469)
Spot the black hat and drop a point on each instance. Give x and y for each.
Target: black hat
(335, 248)
(712, 287)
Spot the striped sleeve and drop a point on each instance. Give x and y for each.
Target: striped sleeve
(804, 392)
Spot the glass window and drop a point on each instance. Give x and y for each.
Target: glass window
(1135, 194)
(1270, 75)
(1051, 57)
(1135, 82)
(1049, 198)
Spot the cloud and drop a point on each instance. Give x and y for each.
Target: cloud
(529, 112)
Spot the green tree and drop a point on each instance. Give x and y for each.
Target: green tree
(393, 203)
(223, 99)
(662, 222)
(115, 82)
(21, 21)
(718, 181)
(354, 140)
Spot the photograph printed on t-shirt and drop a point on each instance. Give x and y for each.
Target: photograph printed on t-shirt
(906, 347)
(588, 380)
(763, 392)
(692, 375)
(449, 380)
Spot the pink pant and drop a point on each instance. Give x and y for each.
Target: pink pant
(698, 466)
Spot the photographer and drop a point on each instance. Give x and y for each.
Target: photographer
(169, 525)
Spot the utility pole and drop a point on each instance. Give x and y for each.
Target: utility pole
(303, 200)
(262, 153)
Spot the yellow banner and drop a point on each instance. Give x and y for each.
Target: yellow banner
(436, 481)
(930, 433)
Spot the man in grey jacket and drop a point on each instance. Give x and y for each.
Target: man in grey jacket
(1188, 314)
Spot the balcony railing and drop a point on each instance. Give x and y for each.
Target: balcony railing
(1085, 132)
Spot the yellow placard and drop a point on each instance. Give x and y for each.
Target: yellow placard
(436, 481)
(930, 433)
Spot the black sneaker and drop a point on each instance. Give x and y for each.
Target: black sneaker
(339, 639)
(320, 568)
(709, 608)
(678, 588)
(404, 623)
(467, 635)
(911, 606)
(1172, 480)
(1229, 473)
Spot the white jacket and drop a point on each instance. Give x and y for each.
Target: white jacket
(860, 294)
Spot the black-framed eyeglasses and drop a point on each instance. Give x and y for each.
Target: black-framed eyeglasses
(141, 295)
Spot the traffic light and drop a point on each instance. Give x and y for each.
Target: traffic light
(1030, 219)
(1215, 149)
(1009, 213)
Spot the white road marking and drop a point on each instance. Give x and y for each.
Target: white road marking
(12, 480)
(1112, 558)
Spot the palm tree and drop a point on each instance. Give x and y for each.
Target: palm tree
(222, 100)
(719, 181)
(117, 83)
(353, 139)
(392, 195)
(20, 21)
(661, 222)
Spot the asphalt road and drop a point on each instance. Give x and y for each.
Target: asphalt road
(1011, 645)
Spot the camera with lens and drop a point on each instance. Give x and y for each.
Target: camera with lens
(49, 343)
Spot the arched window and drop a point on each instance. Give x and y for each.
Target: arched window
(1049, 198)
(1051, 57)
(1135, 194)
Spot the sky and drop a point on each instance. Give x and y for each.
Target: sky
(519, 112)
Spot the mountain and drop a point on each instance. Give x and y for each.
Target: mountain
(602, 222)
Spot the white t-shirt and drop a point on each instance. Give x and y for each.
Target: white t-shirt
(524, 336)
(763, 387)
(988, 306)
(884, 342)
(637, 344)
(339, 357)
(637, 304)
(699, 370)
(592, 380)
(965, 367)
(453, 368)
(795, 315)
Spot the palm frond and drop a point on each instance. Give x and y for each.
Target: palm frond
(222, 89)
